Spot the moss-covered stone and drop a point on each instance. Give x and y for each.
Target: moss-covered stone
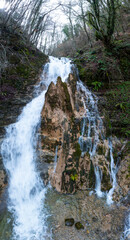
(106, 184)
(101, 150)
(76, 155)
(79, 226)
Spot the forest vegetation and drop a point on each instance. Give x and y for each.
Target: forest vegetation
(95, 35)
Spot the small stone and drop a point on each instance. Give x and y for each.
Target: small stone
(69, 222)
(79, 226)
(94, 219)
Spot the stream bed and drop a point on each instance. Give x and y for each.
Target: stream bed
(99, 220)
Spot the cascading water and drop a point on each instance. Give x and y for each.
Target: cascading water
(89, 139)
(55, 159)
(98, 174)
(92, 122)
(26, 190)
(113, 176)
(126, 233)
(92, 127)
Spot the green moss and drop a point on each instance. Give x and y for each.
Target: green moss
(79, 226)
(82, 172)
(77, 154)
(14, 59)
(108, 156)
(106, 185)
(82, 72)
(127, 176)
(70, 185)
(108, 125)
(74, 177)
(23, 70)
(100, 150)
(118, 107)
(87, 154)
(125, 64)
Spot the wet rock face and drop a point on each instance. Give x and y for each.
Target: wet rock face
(3, 180)
(123, 176)
(61, 127)
(100, 222)
(62, 118)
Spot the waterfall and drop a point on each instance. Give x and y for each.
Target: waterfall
(55, 159)
(89, 139)
(92, 127)
(113, 176)
(126, 233)
(92, 123)
(26, 190)
(98, 174)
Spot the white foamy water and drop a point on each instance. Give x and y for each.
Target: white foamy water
(98, 174)
(126, 233)
(92, 127)
(89, 139)
(26, 190)
(55, 159)
(92, 123)
(56, 67)
(113, 176)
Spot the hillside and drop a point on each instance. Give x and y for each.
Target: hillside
(21, 67)
(107, 74)
(20, 62)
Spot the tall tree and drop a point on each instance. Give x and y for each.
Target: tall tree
(102, 17)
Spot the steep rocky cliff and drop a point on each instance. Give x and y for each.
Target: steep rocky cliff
(61, 125)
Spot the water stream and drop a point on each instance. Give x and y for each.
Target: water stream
(55, 159)
(126, 233)
(27, 193)
(113, 172)
(26, 190)
(91, 129)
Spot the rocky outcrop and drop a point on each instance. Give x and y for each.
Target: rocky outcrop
(62, 118)
(3, 180)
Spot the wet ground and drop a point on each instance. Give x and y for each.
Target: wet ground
(100, 221)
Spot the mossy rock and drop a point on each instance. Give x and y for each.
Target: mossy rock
(106, 184)
(101, 150)
(77, 154)
(14, 59)
(79, 226)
